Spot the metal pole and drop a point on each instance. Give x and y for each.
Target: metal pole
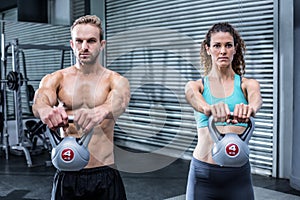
(18, 104)
(4, 135)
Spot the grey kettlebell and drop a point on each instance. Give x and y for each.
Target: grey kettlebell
(70, 153)
(230, 149)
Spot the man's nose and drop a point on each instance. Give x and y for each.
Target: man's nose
(84, 45)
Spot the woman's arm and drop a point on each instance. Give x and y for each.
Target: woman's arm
(193, 95)
(254, 98)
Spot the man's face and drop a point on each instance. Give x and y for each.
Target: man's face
(86, 43)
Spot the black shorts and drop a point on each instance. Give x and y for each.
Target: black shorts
(102, 183)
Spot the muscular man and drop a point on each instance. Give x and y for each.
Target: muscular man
(96, 97)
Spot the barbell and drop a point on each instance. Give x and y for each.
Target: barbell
(12, 80)
(12, 83)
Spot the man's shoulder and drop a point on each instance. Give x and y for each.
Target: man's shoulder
(113, 74)
(57, 75)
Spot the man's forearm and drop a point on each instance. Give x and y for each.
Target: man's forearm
(43, 102)
(115, 105)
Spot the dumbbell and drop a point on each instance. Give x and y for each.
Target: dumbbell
(230, 149)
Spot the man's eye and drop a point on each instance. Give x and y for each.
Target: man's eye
(79, 41)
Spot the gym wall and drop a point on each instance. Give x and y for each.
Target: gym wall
(155, 44)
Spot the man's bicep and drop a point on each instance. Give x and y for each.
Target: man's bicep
(45, 96)
(47, 91)
(121, 86)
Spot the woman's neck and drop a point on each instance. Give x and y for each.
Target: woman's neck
(226, 74)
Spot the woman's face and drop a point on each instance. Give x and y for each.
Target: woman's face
(221, 49)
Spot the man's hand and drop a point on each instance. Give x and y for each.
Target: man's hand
(87, 119)
(55, 118)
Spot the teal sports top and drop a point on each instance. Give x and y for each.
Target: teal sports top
(236, 97)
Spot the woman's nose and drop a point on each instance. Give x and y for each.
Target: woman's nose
(223, 50)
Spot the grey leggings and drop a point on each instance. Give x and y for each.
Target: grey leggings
(208, 181)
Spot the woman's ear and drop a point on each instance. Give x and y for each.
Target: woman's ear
(207, 49)
(236, 47)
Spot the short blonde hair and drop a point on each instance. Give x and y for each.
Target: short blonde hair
(89, 19)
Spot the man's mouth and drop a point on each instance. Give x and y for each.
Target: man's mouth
(84, 55)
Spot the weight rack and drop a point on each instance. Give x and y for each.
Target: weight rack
(16, 49)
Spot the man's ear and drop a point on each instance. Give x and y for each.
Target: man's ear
(102, 43)
(71, 44)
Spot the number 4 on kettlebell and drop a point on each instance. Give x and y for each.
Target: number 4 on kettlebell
(232, 150)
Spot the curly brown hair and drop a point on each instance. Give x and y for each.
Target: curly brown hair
(238, 62)
(89, 19)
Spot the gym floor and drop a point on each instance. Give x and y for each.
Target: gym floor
(20, 182)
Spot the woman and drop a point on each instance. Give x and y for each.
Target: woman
(231, 99)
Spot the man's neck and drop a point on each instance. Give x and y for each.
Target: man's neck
(88, 69)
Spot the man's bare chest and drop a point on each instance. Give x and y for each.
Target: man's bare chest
(83, 93)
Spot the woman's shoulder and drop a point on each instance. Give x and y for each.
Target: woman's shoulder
(194, 85)
(249, 83)
(198, 82)
(249, 80)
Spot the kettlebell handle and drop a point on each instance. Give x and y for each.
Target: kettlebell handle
(217, 136)
(71, 118)
(55, 139)
(85, 138)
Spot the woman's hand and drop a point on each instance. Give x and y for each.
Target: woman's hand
(220, 112)
(242, 113)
